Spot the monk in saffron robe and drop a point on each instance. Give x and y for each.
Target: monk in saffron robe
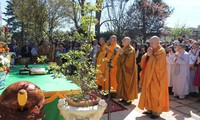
(113, 71)
(127, 73)
(154, 95)
(101, 63)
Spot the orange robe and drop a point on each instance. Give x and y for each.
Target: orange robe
(101, 64)
(154, 94)
(127, 74)
(113, 70)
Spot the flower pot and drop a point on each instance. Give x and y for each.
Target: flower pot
(91, 110)
(2, 79)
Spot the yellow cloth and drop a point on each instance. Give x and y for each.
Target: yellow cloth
(113, 70)
(101, 64)
(51, 96)
(154, 94)
(127, 74)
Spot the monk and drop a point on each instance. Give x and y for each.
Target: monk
(113, 71)
(44, 49)
(101, 63)
(127, 73)
(154, 95)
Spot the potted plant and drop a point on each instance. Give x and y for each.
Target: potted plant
(79, 69)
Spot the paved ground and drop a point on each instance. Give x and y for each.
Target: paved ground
(179, 110)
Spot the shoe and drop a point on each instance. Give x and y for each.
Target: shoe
(147, 113)
(181, 98)
(154, 117)
(176, 97)
(127, 103)
(121, 101)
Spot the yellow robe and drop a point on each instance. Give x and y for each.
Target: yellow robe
(127, 74)
(154, 94)
(113, 70)
(101, 64)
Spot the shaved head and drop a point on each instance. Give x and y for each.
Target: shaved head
(113, 36)
(113, 39)
(102, 41)
(154, 42)
(155, 39)
(126, 41)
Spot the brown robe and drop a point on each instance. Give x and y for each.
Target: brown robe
(127, 74)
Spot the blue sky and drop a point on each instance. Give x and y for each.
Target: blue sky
(186, 12)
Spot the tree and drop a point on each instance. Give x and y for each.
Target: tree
(99, 4)
(57, 11)
(12, 23)
(179, 30)
(26, 16)
(146, 17)
(116, 10)
(37, 19)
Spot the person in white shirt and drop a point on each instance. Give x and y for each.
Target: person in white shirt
(94, 51)
(194, 52)
(170, 67)
(34, 52)
(181, 72)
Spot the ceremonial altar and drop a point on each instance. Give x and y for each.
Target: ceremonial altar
(54, 89)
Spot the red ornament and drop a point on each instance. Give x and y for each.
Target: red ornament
(7, 70)
(6, 29)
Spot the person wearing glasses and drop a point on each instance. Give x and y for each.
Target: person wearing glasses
(170, 67)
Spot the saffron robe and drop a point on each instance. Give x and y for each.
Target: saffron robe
(113, 70)
(101, 64)
(127, 74)
(154, 94)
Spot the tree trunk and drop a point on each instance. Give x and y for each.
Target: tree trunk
(22, 32)
(98, 17)
(144, 24)
(97, 26)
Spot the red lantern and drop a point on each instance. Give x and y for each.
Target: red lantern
(6, 29)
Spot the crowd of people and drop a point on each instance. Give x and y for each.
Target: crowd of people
(33, 50)
(158, 68)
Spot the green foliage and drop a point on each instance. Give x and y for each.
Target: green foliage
(84, 72)
(36, 19)
(179, 30)
(42, 59)
(3, 34)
